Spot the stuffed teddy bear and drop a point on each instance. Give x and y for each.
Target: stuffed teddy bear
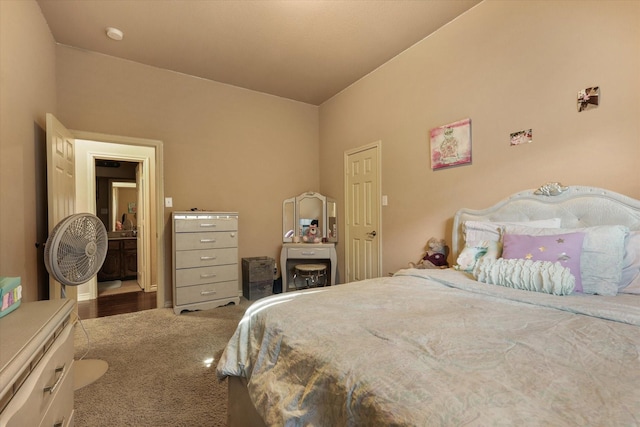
(436, 253)
(311, 235)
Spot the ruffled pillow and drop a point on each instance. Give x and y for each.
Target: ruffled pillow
(539, 276)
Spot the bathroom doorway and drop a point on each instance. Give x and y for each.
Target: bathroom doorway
(85, 148)
(117, 203)
(146, 156)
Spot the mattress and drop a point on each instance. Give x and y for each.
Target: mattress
(435, 347)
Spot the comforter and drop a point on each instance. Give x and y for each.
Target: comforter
(434, 347)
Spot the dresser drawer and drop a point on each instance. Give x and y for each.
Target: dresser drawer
(202, 275)
(187, 241)
(36, 395)
(60, 411)
(206, 257)
(201, 223)
(310, 252)
(207, 292)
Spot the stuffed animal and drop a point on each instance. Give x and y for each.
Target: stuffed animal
(436, 253)
(311, 235)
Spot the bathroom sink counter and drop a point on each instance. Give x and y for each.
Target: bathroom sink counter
(121, 261)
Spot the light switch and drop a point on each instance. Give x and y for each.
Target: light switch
(385, 201)
(168, 202)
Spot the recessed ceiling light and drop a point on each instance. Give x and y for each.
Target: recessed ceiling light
(114, 33)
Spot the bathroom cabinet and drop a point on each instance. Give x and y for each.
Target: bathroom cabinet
(121, 262)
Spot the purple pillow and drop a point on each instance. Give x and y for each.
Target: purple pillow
(562, 248)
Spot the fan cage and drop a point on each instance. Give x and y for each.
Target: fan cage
(76, 249)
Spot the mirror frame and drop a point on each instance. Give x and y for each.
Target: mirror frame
(328, 207)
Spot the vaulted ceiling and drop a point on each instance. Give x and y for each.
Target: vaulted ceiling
(305, 50)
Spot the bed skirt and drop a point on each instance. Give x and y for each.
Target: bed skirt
(240, 410)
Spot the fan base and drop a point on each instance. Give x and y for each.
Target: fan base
(86, 371)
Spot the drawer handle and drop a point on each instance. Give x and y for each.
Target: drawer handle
(59, 423)
(206, 258)
(206, 276)
(52, 388)
(207, 225)
(308, 253)
(207, 240)
(207, 293)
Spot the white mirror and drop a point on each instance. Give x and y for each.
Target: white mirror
(332, 220)
(124, 196)
(311, 216)
(306, 213)
(288, 220)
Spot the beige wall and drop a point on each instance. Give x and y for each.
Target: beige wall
(508, 66)
(27, 93)
(225, 148)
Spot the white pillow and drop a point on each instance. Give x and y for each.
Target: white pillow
(630, 280)
(601, 258)
(477, 231)
(473, 251)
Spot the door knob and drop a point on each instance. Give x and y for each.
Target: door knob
(372, 234)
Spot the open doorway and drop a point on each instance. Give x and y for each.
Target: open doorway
(117, 201)
(77, 194)
(146, 210)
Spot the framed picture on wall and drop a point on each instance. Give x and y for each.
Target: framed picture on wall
(451, 144)
(588, 98)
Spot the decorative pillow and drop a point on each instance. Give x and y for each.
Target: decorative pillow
(477, 231)
(474, 251)
(630, 277)
(563, 248)
(539, 276)
(602, 254)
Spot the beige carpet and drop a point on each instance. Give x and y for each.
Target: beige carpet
(157, 372)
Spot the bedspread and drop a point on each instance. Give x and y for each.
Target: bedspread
(433, 347)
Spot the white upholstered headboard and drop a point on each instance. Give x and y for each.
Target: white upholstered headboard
(576, 206)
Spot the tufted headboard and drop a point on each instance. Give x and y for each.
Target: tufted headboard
(576, 206)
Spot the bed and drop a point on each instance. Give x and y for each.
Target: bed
(441, 347)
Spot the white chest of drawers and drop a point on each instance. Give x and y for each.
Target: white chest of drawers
(36, 365)
(205, 260)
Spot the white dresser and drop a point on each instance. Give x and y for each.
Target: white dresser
(205, 260)
(36, 365)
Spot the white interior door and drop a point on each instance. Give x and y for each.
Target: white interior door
(61, 189)
(141, 220)
(362, 208)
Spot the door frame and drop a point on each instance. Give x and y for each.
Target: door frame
(377, 145)
(156, 234)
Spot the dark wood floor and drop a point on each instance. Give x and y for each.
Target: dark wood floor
(109, 305)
